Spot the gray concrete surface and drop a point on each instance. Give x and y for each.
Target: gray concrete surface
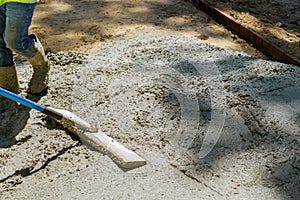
(161, 97)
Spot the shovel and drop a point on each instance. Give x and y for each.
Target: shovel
(122, 156)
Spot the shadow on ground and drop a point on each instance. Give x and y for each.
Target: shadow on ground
(14, 118)
(254, 97)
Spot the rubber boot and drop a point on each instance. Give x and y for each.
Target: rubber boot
(41, 66)
(9, 79)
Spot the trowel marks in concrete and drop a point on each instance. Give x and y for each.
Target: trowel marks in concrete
(176, 91)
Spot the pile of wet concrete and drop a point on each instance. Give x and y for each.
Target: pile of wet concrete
(215, 123)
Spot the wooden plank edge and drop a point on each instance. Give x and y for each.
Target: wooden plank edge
(259, 41)
(122, 156)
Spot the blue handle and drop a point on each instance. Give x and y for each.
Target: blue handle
(21, 100)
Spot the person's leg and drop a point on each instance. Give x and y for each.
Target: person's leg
(8, 73)
(6, 55)
(18, 20)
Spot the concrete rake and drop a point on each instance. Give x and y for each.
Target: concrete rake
(89, 135)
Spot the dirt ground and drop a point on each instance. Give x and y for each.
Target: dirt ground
(158, 76)
(81, 26)
(276, 20)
